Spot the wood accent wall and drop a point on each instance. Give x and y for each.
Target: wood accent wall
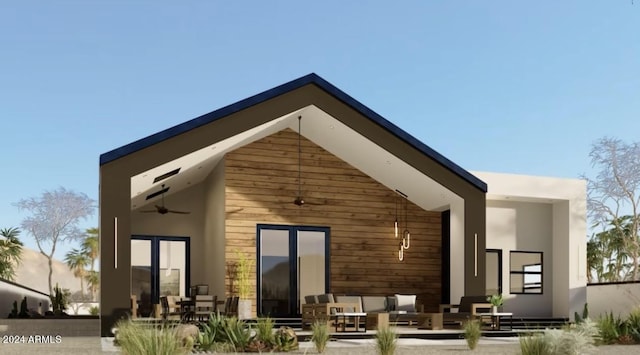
(261, 180)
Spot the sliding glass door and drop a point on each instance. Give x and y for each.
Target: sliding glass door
(293, 263)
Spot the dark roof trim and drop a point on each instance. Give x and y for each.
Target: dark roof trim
(24, 287)
(277, 91)
(205, 119)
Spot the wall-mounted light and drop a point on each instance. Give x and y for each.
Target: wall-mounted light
(115, 242)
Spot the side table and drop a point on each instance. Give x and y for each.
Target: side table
(495, 319)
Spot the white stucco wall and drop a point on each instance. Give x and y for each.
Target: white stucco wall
(528, 213)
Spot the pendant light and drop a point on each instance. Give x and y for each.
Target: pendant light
(406, 235)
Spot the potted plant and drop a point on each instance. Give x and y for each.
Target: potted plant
(496, 301)
(244, 266)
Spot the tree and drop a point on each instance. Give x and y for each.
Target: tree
(54, 218)
(10, 253)
(90, 245)
(614, 194)
(78, 260)
(93, 282)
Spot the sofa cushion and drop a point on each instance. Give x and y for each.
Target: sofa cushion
(350, 299)
(406, 303)
(374, 304)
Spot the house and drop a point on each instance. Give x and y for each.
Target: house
(311, 184)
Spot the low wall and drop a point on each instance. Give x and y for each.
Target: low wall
(65, 327)
(619, 298)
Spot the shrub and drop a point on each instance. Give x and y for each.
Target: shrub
(576, 339)
(386, 341)
(320, 335)
(571, 340)
(94, 310)
(210, 333)
(633, 324)
(264, 330)
(472, 333)
(611, 328)
(534, 345)
(235, 332)
(585, 314)
(141, 339)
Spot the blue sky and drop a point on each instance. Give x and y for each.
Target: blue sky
(505, 86)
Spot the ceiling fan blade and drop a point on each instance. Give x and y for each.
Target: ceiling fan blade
(149, 211)
(178, 212)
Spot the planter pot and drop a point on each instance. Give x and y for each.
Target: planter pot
(244, 309)
(494, 309)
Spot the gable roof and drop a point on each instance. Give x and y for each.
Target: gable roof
(310, 79)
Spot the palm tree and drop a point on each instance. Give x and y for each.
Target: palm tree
(90, 245)
(77, 261)
(10, 252)
(93, 282)
(595, 263)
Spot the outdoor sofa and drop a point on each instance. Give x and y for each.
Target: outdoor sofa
(376, 310)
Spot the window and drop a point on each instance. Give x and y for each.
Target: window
(526, 272)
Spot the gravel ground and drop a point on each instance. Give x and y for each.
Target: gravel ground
(93, 345)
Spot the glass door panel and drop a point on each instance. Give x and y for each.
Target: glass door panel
(141, 277)
(311, 264)
(173, 268)
(292, 264)
(494, 271)
(275, 272)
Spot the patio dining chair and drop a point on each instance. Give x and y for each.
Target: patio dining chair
(168, 311)
(231, 306)
(204, 305)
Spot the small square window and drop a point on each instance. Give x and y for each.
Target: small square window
(525, 272)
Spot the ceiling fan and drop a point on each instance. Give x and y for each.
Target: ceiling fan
(162, 209)
(300, 201)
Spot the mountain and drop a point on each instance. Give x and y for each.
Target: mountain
(33, 272)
